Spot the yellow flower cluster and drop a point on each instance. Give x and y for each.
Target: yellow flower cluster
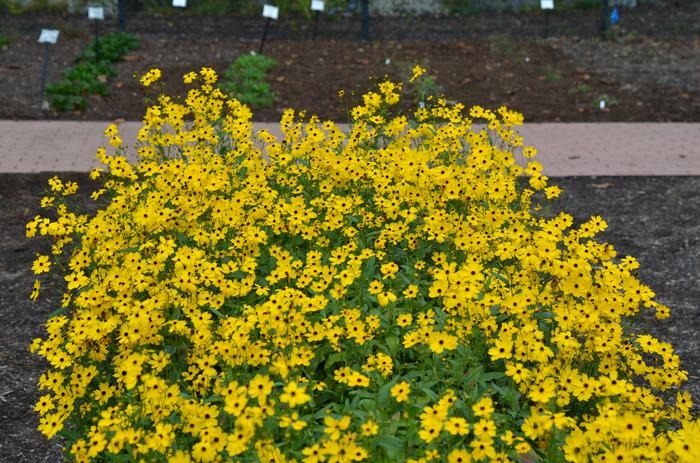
(150, 77)
(385, 294)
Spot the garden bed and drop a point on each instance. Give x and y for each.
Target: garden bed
(645, 73)
(651, 218)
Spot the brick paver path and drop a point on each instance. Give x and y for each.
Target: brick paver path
(597, 149)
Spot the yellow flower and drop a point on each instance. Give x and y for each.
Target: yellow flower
(189, 77)
(370, 428)
(150, 77)
(457, 426)
(404, 320)
(484, 407)
(400, 391)
(440, 342)
(41, 264)
(459, 456)
(35, 291)
(294, 395)
(334, 427)
(416, 72)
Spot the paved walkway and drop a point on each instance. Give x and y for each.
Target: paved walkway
(597, 149)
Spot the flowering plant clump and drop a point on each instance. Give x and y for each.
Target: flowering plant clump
(388, 294)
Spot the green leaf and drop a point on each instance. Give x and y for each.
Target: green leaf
(501, 277)
(433, 396)
(58, 312)
(216, 312)
(393, 343)
(383, 394)
(335, 358)
(393, 447)
(491, 376)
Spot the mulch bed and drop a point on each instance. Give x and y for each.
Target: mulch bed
(651, 218)
(648, 71)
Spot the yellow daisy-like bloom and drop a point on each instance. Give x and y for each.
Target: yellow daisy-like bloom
(294, 395)
(41, 264)
(400, 391)
(150, 77)
(416, 72)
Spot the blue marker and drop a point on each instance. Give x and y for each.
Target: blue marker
(614, 16)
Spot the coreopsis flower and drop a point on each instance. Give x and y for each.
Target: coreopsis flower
(294, 395)
(400, 391)
(416, 72)
(150, 77)
(41, 264)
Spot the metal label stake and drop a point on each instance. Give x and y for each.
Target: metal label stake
(178, 4)
(546, 6)
(269, 13)
(121, 15)
(365, 20)
(47, 36)
(96, 14)
(604, 16)
(317, 6)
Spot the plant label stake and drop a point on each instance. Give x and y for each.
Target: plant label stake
(121, 15)
(269, 13)
(96, 14)
(47, 36)
(365, 20)
(317, 6)
(546, 6)
(178, 4)
(604, 16)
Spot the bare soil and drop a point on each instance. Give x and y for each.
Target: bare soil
(646, 70)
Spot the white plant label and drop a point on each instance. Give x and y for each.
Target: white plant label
(96, 12)
(602, 104)
(180, 3)
(547, 4)
(271, 12)
(48, 36)
(317, 5)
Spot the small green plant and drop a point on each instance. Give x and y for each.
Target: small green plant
(424, 87)
(551, 74)
(91, 72)
(580, 89)
(501, 44)
(245, 80)
(4, 40)
(111, 48)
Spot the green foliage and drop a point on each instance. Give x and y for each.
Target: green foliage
(19, 7)
(245, 80)
(461, 7)
(580, 89)
(206, 7)
(425, 87)
(501, 44)
(111, 48)
(92, 70)
(551, 74)
(4, 40)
